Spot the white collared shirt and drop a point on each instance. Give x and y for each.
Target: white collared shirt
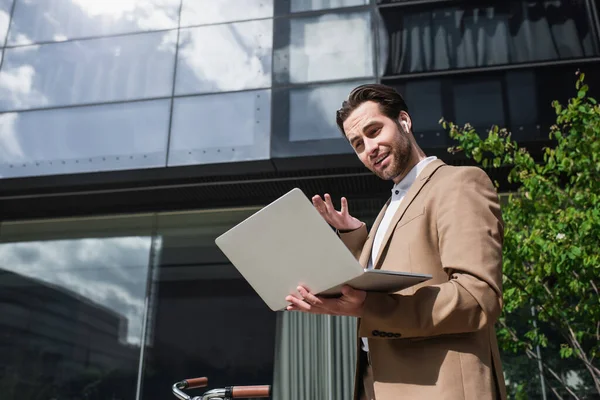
(398, 192)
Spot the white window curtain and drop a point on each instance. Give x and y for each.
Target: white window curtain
(315, 357)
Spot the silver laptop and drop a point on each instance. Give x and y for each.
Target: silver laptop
(287, 243)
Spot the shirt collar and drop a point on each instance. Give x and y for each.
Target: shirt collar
(412, 175)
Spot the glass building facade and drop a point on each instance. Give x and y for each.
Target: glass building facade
(134, 132)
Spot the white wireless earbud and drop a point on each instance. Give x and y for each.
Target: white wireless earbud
(405, 125)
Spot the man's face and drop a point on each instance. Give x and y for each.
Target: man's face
(380, 143)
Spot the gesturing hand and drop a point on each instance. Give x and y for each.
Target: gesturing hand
(349, 304)
(341, 220)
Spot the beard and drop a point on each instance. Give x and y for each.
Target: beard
(401, 154)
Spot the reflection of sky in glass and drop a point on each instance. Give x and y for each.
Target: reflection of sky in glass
(199, 12)
(84, 137)
(220, 128)
(225, 57)
(331, 46)
(58, 20)
(308, 5)
(111, 272)
(5, 6)
(312, 111)
(108, 69)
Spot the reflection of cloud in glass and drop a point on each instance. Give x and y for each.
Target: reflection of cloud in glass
(4, 20)
(83, 139)
(111, 272)
(10, 148)
(147, 14)
(225, 57)
(59, 19)
(331, 46)
(307, 5)
(79, 72)
(199, 12)
(312, 111)
(20, 39)
(16, 84)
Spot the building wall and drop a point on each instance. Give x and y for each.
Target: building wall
(163, 83)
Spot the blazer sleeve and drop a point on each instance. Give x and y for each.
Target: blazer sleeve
(470, 233)
(355, 240)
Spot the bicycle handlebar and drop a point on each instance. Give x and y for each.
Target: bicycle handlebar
(231, 392)
(193, 383)
(250, 392)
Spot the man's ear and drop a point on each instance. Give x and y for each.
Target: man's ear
(405, 121)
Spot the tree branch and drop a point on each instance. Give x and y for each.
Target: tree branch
(558, 396)
(594, 372)
(591, 282)
(531, 355)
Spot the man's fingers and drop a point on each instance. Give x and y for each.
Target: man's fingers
(329, 203)
(297, 303)
(344, 209)
(317, 201)
(309, 297)
(319, 204)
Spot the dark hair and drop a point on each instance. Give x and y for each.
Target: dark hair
(390, 102)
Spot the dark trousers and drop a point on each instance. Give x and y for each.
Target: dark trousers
(366, 390)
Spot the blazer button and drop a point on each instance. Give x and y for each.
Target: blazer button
(375, 333)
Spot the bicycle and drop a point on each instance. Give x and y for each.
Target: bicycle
(227, 393)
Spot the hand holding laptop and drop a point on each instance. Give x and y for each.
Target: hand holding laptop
(297, 247)
(349, 304)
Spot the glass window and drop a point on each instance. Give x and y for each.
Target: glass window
(59, 20)
(293, 6)
(312, 111)
(522, 98)
(72, 310)
(523, 104)
(208, 319)
(227, 57)
(220, 128)
(305, 122)
(424, 100)
(84, 139)
(513, 32)
(88, 71)
(201, 12)
(479, 102)
(5, 7)
(326, 47)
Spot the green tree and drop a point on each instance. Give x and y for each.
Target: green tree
(552, 238)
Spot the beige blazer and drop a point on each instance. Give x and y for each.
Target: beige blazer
(437, 340)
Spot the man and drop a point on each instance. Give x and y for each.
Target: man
(435, 340)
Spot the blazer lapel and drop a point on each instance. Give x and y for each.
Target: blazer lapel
(368, 247)
(408, 199)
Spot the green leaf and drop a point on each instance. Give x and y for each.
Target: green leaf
(565, 351)
(551, 228)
